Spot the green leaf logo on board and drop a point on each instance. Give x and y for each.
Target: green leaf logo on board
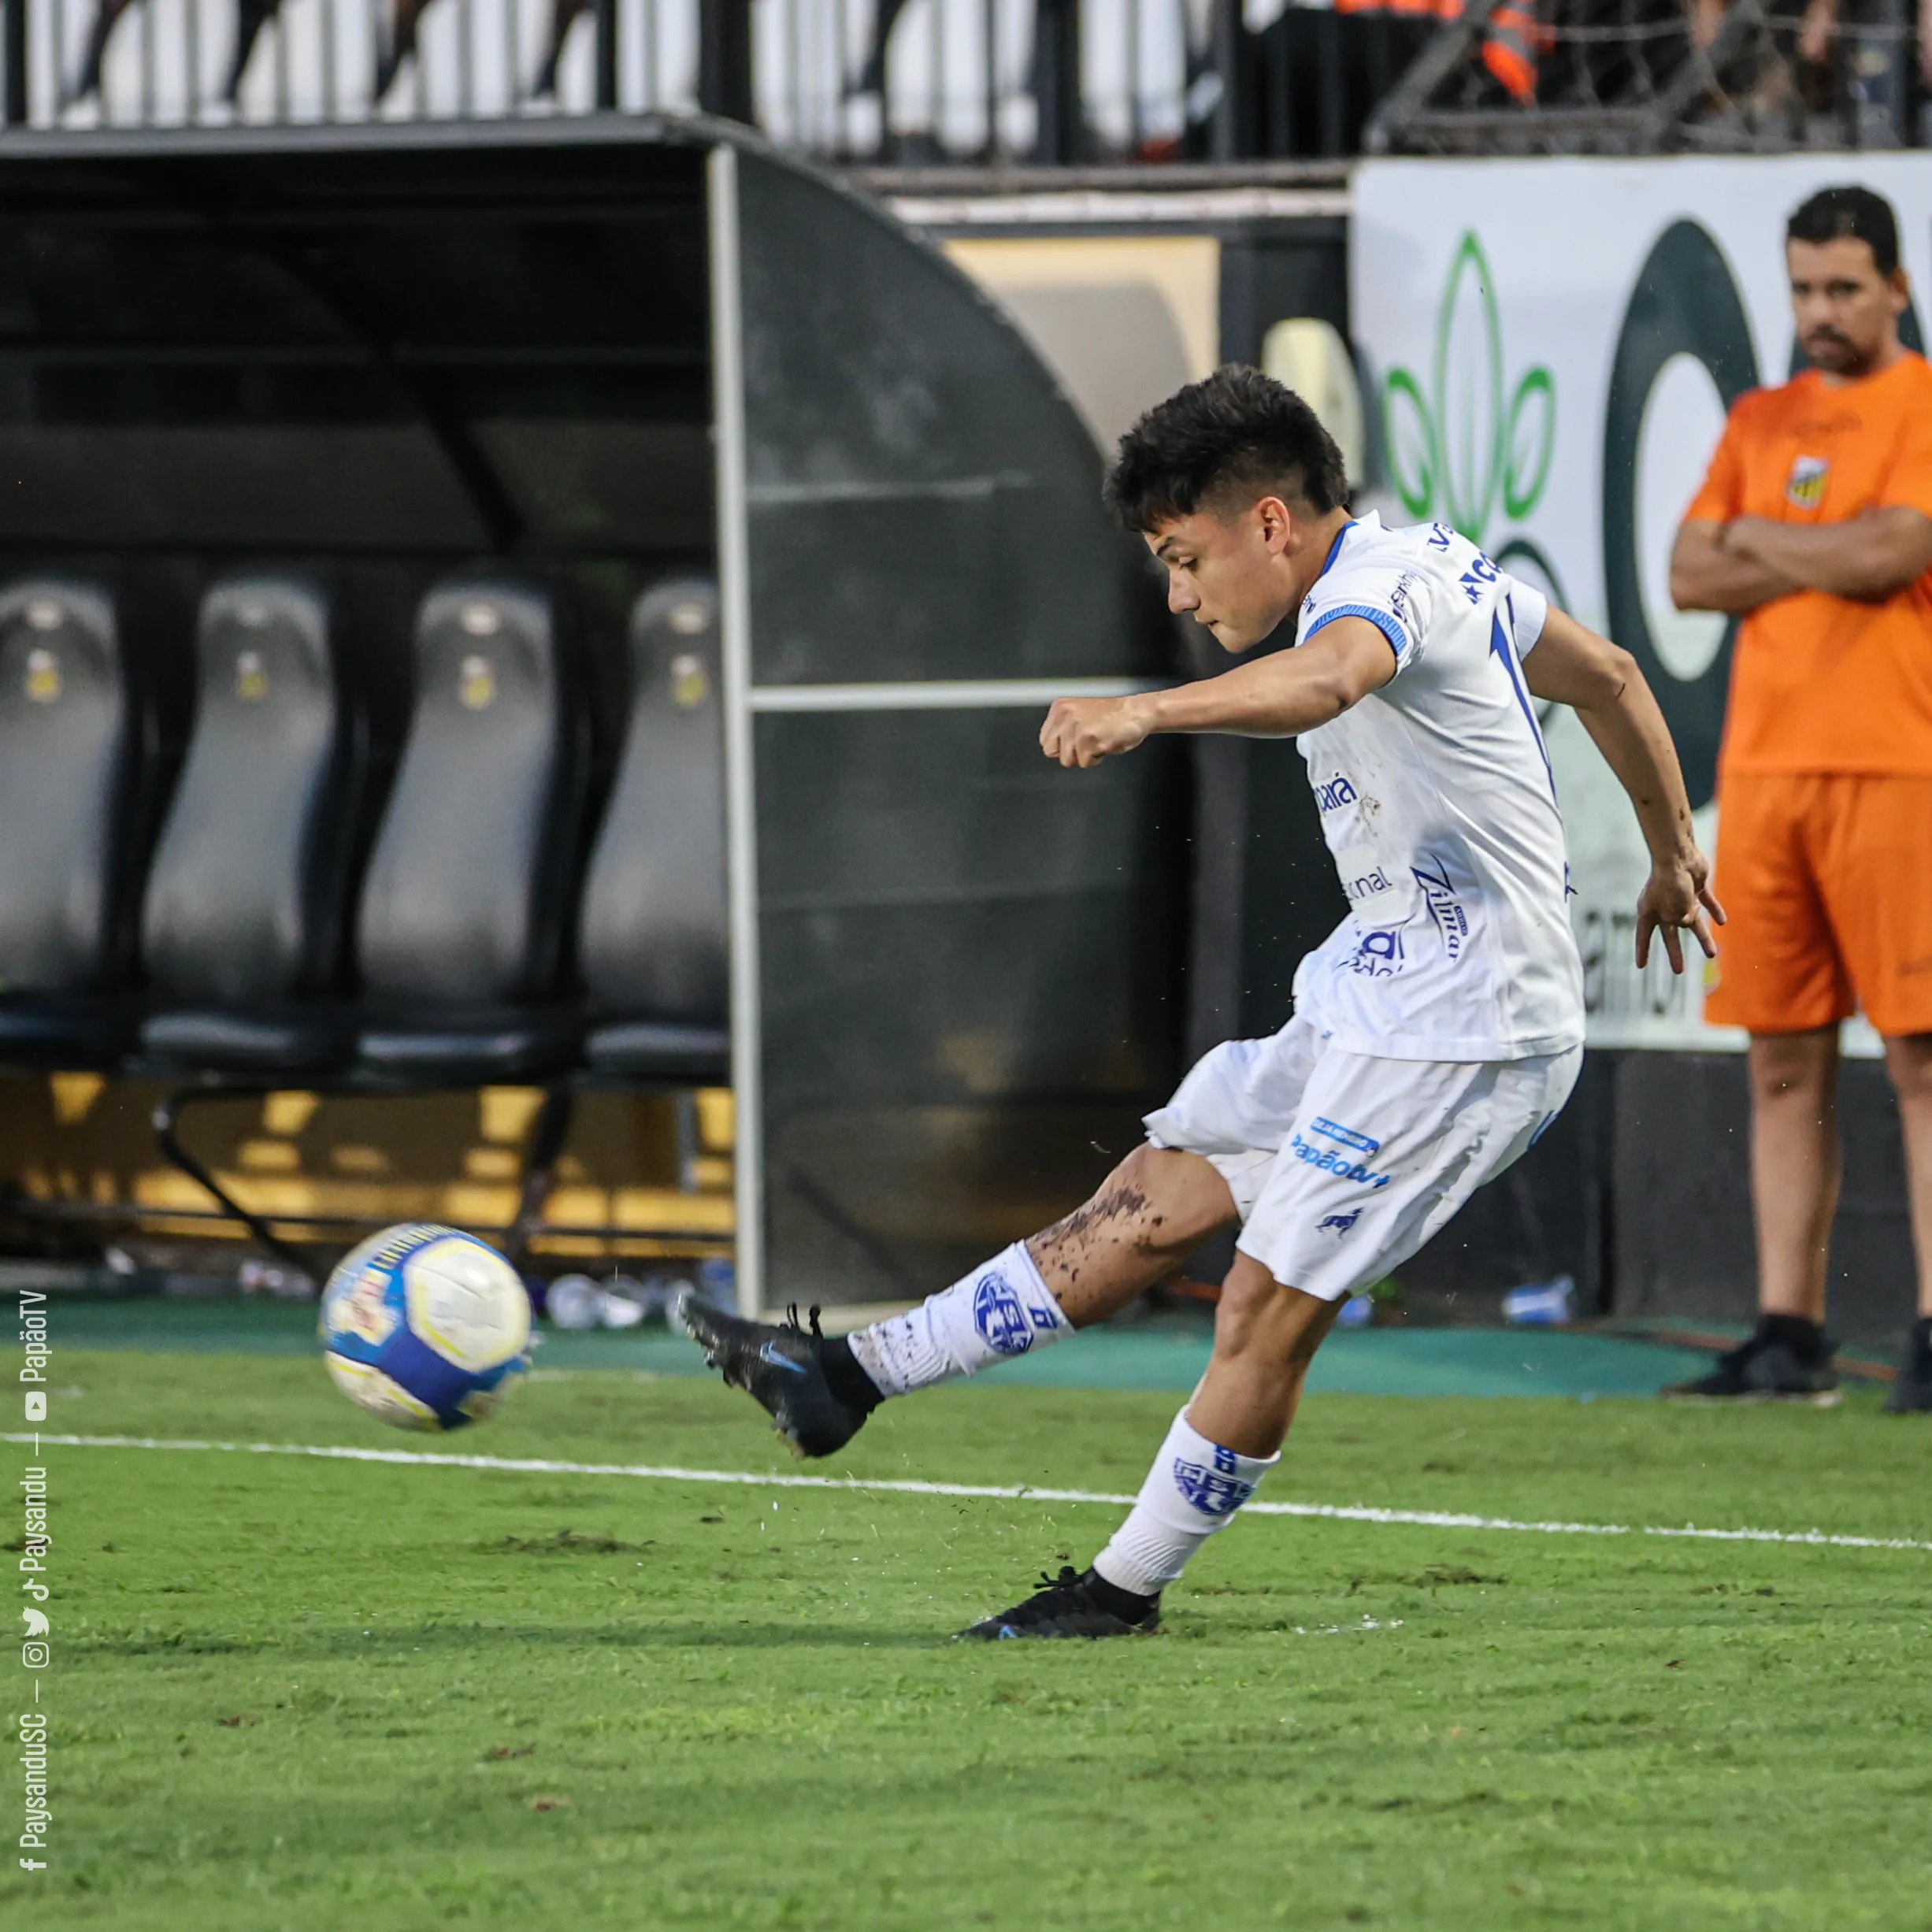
(1472, 443)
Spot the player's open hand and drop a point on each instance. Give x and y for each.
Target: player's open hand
(1082, 731)
(1678, 899)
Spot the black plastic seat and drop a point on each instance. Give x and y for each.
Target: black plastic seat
(472, 1049)
(79, 771)
(652, 940)
(460, 939)
(245, 917)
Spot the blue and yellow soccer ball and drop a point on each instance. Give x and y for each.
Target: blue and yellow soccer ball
(425, 1327)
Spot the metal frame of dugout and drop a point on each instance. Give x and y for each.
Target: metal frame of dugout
(955, 970)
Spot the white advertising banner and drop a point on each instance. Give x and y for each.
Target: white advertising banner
(1550, 347)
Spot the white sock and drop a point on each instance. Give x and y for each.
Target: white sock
(1193, 1490)
(1001, 1309)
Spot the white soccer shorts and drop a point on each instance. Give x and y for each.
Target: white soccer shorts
(1342, 1165)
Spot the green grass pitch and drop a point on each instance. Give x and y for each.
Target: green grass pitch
(300, 1694)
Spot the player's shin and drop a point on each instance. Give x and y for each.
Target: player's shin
(1002, 1309)
(1193, 1490)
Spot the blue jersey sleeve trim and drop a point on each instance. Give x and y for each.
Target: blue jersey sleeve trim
(1389, 628)
(1334, 549)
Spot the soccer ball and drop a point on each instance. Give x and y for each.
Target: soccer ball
(425, 1327)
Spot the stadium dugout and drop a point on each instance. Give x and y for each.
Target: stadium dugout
(565, 605)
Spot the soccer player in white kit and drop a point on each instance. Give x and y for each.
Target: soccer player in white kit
(1436, 1032)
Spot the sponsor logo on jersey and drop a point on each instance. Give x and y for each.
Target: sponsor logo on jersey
(1399, 597)
(1347, 1136)
(1333, 796)
(1338, 1224)
(1378, 954)
(1215, 1492)
(1477, 578)
(1000, 1316)
(1444, 908)
(1365, 885)
(1806, 490)
(1339, 1164)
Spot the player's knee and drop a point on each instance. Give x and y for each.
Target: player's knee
(1800, 1066)
(1168, 1200)
(1249, 1291)
(1139, 1172)
(1256, 1310)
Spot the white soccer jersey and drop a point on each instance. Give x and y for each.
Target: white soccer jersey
(1438, 805)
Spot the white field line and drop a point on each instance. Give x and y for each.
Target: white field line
(1340, 1512)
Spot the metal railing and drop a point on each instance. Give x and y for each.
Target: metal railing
(919, 85)
(910, 84)
(858, 80)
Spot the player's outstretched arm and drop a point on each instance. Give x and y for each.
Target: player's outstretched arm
(1601, 683)
(1278, 696)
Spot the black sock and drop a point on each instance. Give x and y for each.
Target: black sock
(1918, 1350)
(847, 1380)
(1127, 1605)
(1803, 1338)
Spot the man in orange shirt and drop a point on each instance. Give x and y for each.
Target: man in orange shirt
(1815, 525)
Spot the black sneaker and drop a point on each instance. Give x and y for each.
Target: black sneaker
(1912, 1393)
(1787, 1359)
(781, 1369)
(1074, 1604)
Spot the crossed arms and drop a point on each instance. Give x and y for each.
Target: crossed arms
(1737, 565)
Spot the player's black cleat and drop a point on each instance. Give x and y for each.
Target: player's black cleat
(1786, 1359)
(781, 1369)
(1912, 1393)
(1074, 1604)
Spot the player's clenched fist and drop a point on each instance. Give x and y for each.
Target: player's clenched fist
(1082, 731)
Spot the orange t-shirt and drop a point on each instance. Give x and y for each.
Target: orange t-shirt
(1820, 683)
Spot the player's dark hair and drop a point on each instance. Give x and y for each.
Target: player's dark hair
(1835, 214)
(1237, 433)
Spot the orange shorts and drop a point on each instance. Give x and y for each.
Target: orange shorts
(1827, 879)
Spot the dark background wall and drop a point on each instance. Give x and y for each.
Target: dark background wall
(968, 957)
(1641, 1192)
(1680, 1177)
(1271, 270)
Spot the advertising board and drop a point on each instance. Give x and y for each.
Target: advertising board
(1549, 347)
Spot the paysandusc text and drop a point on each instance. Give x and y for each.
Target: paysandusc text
(35, 1547)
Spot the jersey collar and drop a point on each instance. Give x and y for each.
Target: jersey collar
(1334, 549)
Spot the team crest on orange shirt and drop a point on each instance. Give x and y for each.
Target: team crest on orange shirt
(1806, 490)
